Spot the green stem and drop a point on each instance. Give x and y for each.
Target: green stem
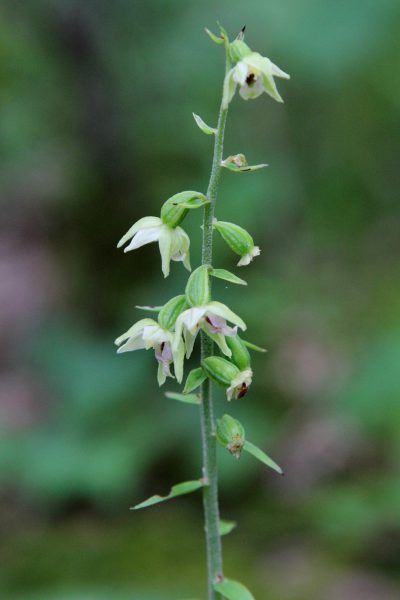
(209, 443)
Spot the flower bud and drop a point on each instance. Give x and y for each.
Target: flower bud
(235, 160)
(198, 287)
(231, 434)
(220, 370)
(238, 50)
(171, 311)
(239, 240)
(175, 209)
(240, 354)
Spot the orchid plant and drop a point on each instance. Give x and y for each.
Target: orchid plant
(173, 335)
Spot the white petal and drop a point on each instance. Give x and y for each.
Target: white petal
(190, 339)
(247, 258)
(223, 311)
(178, 357)
(144, 236)
(192, 316)
(154, 334)
(143, 223)
(249, 92)
(219, 339)
(277, 72)
(165, 244)
(161, 376)
(134, 343)
(229, 89)
(240, 73)
(135, 330)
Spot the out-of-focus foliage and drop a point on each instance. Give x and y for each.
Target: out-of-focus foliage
(96, 130)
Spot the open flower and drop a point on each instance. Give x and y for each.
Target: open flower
(147, 334)
(239, 385)
(173, 241)
(211, 318)
(254, 74)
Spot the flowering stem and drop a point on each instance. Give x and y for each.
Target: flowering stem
(209, 443)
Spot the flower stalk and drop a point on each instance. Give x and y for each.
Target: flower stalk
(208, 432)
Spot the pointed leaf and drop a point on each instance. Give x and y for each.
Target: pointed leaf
(260, 455)
(226, 527)
(215, 38)
(253, 346)
(245, 169)
(177, 490)
(203, 126)
(188, 398)
(228, 276)
(155, 309)
(233, 590)
(194, 379)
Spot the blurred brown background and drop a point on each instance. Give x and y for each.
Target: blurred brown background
(96, 131)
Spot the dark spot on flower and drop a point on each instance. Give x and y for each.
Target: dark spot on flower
(162, 346)
(250, 79)
(243, 390)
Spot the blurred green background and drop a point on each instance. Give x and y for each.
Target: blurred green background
(96, 131)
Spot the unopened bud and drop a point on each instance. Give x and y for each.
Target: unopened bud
(239, 240)
(220, 370)
(231, 434)
(174, 210)
(198, 287)
(240, 354)
(171, 311)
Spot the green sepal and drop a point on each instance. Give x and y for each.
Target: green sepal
(240, 355)
(194, 380)
(253, 346)
(177, 490)
(155, 309)
(198, 286)
(215, 38)
(227, 276)
(220, 370)
(237, 238)
(260, 455)
(233, 590)
(238, 49)
(203, 126)
(171, 311)
(226, 527)
(174, 210)
(187, 398)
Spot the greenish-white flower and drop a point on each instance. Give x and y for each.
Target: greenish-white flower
(148, 334)
(239, 385)
(212, 319)
(254, 74)
(173, 242)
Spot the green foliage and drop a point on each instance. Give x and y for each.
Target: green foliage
(179, 489)
(233, 590)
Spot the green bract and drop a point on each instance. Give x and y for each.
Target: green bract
(239, 240)
(220, 370)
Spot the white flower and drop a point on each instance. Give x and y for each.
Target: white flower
(247, 258)
(173, 242)
(147, 334)
(255, 75)
(239, 385)
(211, 318)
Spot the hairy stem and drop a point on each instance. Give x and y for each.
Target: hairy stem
(209, 443)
